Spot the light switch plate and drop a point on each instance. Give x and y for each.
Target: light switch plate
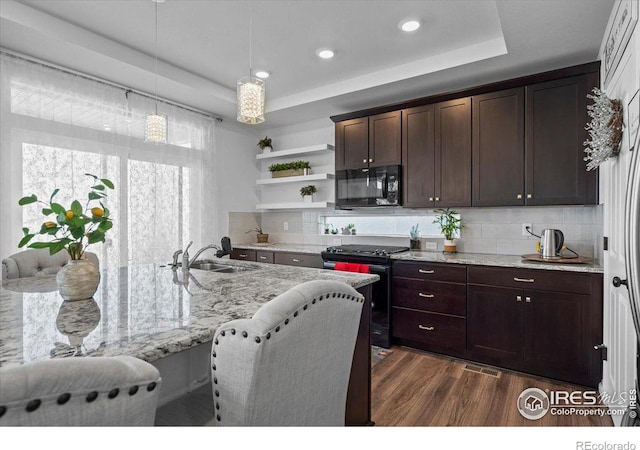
(286, 226)
(430, 246)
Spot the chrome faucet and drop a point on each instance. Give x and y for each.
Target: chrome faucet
(185, 257)
(175, 258)
(199, 252)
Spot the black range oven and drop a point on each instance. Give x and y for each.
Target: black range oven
(379, 261)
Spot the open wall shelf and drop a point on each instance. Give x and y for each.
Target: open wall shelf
(297, 151)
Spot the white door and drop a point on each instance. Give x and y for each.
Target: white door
(619, 333)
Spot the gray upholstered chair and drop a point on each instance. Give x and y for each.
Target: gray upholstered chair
(84, 391)
(290, 364)
(37, 262)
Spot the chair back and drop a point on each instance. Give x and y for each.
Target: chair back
(37, 262)
(290, 364)
(83, 391)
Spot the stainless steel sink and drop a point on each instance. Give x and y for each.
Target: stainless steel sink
(221, 268)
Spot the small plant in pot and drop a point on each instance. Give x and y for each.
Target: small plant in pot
(263, 238)
(290, 169)
(449, 227)
(265, 144)
(352, 228)
(414, 237)
(307, 193)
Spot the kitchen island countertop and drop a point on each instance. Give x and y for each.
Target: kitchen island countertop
(146, 311)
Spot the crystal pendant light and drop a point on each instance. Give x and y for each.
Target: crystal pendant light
(250, 93)
(155, 127)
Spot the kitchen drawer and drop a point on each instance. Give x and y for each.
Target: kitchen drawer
(437, 331)
(246, 255)
(434, 296)
(544, 280)
(430, 271)
(298, 259)
(265, 257)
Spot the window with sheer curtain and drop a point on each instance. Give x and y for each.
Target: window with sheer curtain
(57, 126)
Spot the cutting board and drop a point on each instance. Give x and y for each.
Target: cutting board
(536, 257)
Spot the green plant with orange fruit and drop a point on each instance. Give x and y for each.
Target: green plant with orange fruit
(75, 228)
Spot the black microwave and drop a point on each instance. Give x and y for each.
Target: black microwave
(375, 186)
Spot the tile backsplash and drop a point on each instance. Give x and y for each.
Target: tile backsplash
(486, 230)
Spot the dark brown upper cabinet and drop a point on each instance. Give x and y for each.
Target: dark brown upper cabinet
(436, 151)
(498, 148)
(556, 115)
(352, 144)
(369, 141)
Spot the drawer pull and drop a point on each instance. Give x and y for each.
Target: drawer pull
(242, 255)
(296, 260)
(263, 257)
(518, 298)
(426, 271)
(426, 295)
(422, 327)
(524, 280)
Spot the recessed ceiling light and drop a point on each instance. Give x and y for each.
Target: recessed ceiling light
(325, 53)
(262, 74)
(409, 25)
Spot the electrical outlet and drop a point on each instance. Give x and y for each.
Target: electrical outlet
(430, 246)
(524, 229)
(286, 226)
(337, 241)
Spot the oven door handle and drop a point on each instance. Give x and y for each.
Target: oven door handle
(375, 268)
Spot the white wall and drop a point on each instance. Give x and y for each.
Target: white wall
(236, 173)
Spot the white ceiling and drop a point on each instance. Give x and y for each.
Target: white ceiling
(203, 46)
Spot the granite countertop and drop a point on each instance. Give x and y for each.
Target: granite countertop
(145, 311)
(481, 259)
(293, 248)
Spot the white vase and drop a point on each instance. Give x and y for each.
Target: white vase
(307, 198)
(78, 280)
(450, 246)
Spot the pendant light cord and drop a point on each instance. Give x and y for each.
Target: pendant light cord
(156, 51)
(250, 38)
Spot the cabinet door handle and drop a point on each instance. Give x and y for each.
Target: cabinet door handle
(529, 196)
(430, 199)
(437, 199)
(426, 295)
(518, 298)
(364, 160)
(296, 260)
(263, 257)
(426, 271)
(422, 327)
(519, 196)
(527, 299)
(242, 255)
(370, 159)
(524, 280)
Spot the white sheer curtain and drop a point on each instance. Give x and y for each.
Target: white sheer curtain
(56, 126)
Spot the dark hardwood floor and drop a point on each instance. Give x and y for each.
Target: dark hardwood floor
(413, 388)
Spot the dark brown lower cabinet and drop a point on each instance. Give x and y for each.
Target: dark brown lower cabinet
(542, 332)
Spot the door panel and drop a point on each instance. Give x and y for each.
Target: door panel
(418, 154)
(384, 139)
(453, 153)
(498, 148)
(352, 144)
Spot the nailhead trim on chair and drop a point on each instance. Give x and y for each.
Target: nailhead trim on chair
(359, 299)
(33, 405)
(113, 393)
(133, 390)
(92, 396)
(64, 398)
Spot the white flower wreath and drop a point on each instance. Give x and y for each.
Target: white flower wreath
(605, 129)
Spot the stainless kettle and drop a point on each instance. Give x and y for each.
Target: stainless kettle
(551, 242)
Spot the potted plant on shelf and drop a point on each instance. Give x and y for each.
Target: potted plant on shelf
(414, 237)
(449, 226)
(265, 144)
(307, 193)
(352, 228)
(290, 169)
(263, 238)
(73, 230)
